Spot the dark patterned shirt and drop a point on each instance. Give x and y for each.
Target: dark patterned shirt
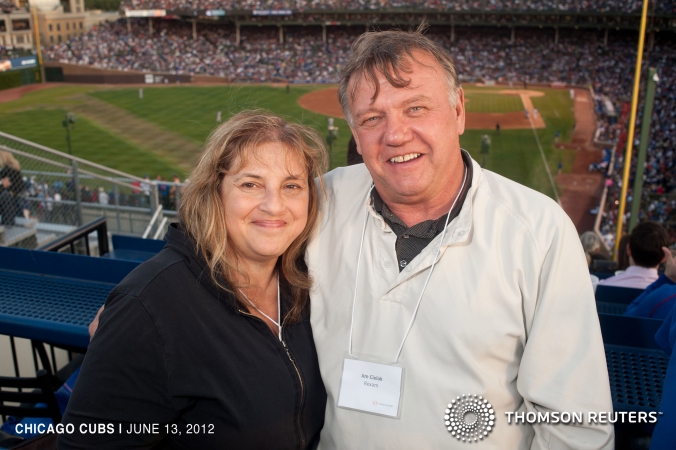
(412, 240)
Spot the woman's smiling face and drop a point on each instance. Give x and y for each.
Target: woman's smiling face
(265, 203)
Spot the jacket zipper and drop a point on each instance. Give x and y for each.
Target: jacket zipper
(300, 379)
(302, 394)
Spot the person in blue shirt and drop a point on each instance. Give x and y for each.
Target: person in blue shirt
(664, 436)
(659, 297)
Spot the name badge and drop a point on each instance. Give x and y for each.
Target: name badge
(371, 387)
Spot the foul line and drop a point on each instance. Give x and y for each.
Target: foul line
(544, 160)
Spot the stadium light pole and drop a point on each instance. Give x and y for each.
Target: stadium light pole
(643, 148)
(632, 125)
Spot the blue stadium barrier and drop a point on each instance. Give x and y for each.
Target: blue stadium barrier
(636, 364)
(613, 299)
(127, 248)
(52, 297)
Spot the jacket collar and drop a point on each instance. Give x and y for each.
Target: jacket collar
(179, 241)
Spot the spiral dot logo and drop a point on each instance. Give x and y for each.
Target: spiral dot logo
(469, 418)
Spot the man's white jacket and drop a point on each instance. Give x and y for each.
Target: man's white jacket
(508, 314)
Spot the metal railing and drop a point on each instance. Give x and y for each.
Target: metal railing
(158, 213)
(83, 232)
(60, 189)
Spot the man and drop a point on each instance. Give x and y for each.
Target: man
(658, 299)
(460, 293)
(645, 256)
(664, 438)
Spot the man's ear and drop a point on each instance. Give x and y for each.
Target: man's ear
(460, 111)
(628, 250)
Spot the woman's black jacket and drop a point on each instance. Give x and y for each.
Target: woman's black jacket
(176, 354)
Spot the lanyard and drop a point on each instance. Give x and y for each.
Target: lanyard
(436, 256)
(278, 322)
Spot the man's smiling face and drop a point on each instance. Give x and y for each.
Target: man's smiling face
(409, 137)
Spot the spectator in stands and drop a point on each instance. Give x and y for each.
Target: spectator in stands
(591, 244)
(660, 297)
(163, 190)
(175, 192)
(12, 188)
(645, 255)
(353, 156)
(622, 255)
(214, 331)
(664, 437)
(103, 196)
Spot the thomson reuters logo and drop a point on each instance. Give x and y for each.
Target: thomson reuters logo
(469, 418)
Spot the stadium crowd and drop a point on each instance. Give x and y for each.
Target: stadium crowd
(660, 166)
(610, 6)
(480, 53)
(9, 53)
(7, 6)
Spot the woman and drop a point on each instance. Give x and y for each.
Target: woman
(208, 344)
(12, 188)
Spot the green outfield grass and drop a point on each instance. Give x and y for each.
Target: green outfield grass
(515, 154)
(189, 113)
(192, 111)
(487, 101)
(89, 141)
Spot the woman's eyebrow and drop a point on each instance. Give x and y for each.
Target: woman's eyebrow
(248, 175)
(258, 177)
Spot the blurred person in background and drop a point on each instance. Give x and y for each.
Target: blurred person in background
(353, 156)
(103, 196)
(664, 436)
(658, 299)
(591, 244)
(622, 255)
(645, 255)
(12, 188)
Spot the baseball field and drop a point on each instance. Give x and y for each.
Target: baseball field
(162, 130)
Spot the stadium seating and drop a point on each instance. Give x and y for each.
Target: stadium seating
(52, 297)
(636, 368)
(128, 248)
(614, 300)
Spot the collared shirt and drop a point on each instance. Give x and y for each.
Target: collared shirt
(412, 240)
(635, 277)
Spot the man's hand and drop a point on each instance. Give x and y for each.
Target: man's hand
(670, 265)
(95, 323)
